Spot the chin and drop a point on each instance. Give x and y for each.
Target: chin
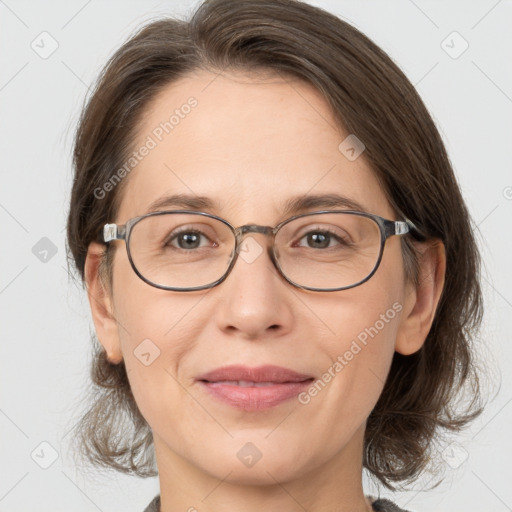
(254, 460)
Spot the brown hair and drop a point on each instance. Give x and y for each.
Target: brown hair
(370, 97)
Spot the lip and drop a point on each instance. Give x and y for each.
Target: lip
(254, 388)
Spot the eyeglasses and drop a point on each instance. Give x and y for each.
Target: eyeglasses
(324, 251)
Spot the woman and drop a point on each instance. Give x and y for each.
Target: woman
(280, 266)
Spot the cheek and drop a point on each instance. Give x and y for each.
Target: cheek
(145, 312)
(339, 402)
(363, 325)
(156, 330)
(361, 352)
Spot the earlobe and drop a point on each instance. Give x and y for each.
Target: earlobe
(100, 302)
(422, 299)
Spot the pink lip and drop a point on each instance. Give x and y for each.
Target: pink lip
(280, 384)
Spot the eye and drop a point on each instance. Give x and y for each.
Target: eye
(322, 239)
(186, 239)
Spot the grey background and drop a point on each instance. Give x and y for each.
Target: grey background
(46, 324)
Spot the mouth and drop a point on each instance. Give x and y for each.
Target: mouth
(244, 383)
(254, 389)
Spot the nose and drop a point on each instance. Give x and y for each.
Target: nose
(256, 297)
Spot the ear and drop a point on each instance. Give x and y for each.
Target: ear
(100, 301)
(421, 299)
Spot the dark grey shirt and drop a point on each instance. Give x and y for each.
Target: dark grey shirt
(379, 505)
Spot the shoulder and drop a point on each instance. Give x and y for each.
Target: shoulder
(383, 505)
(154, 506)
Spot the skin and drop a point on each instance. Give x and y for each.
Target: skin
(251, 143)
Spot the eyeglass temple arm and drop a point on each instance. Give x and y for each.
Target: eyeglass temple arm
(112, 232)
(401, 227)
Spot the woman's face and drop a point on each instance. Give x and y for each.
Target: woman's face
(250, 145)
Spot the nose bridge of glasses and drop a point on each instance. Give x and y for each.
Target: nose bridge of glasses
(252, 228)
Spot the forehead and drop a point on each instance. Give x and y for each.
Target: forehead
(250, 143)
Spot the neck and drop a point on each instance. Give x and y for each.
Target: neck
(336, 484)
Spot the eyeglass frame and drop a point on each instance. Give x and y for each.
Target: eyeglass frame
(111, 232)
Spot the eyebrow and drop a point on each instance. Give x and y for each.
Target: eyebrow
(298, 204)
(292, 206)
(184, 201)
